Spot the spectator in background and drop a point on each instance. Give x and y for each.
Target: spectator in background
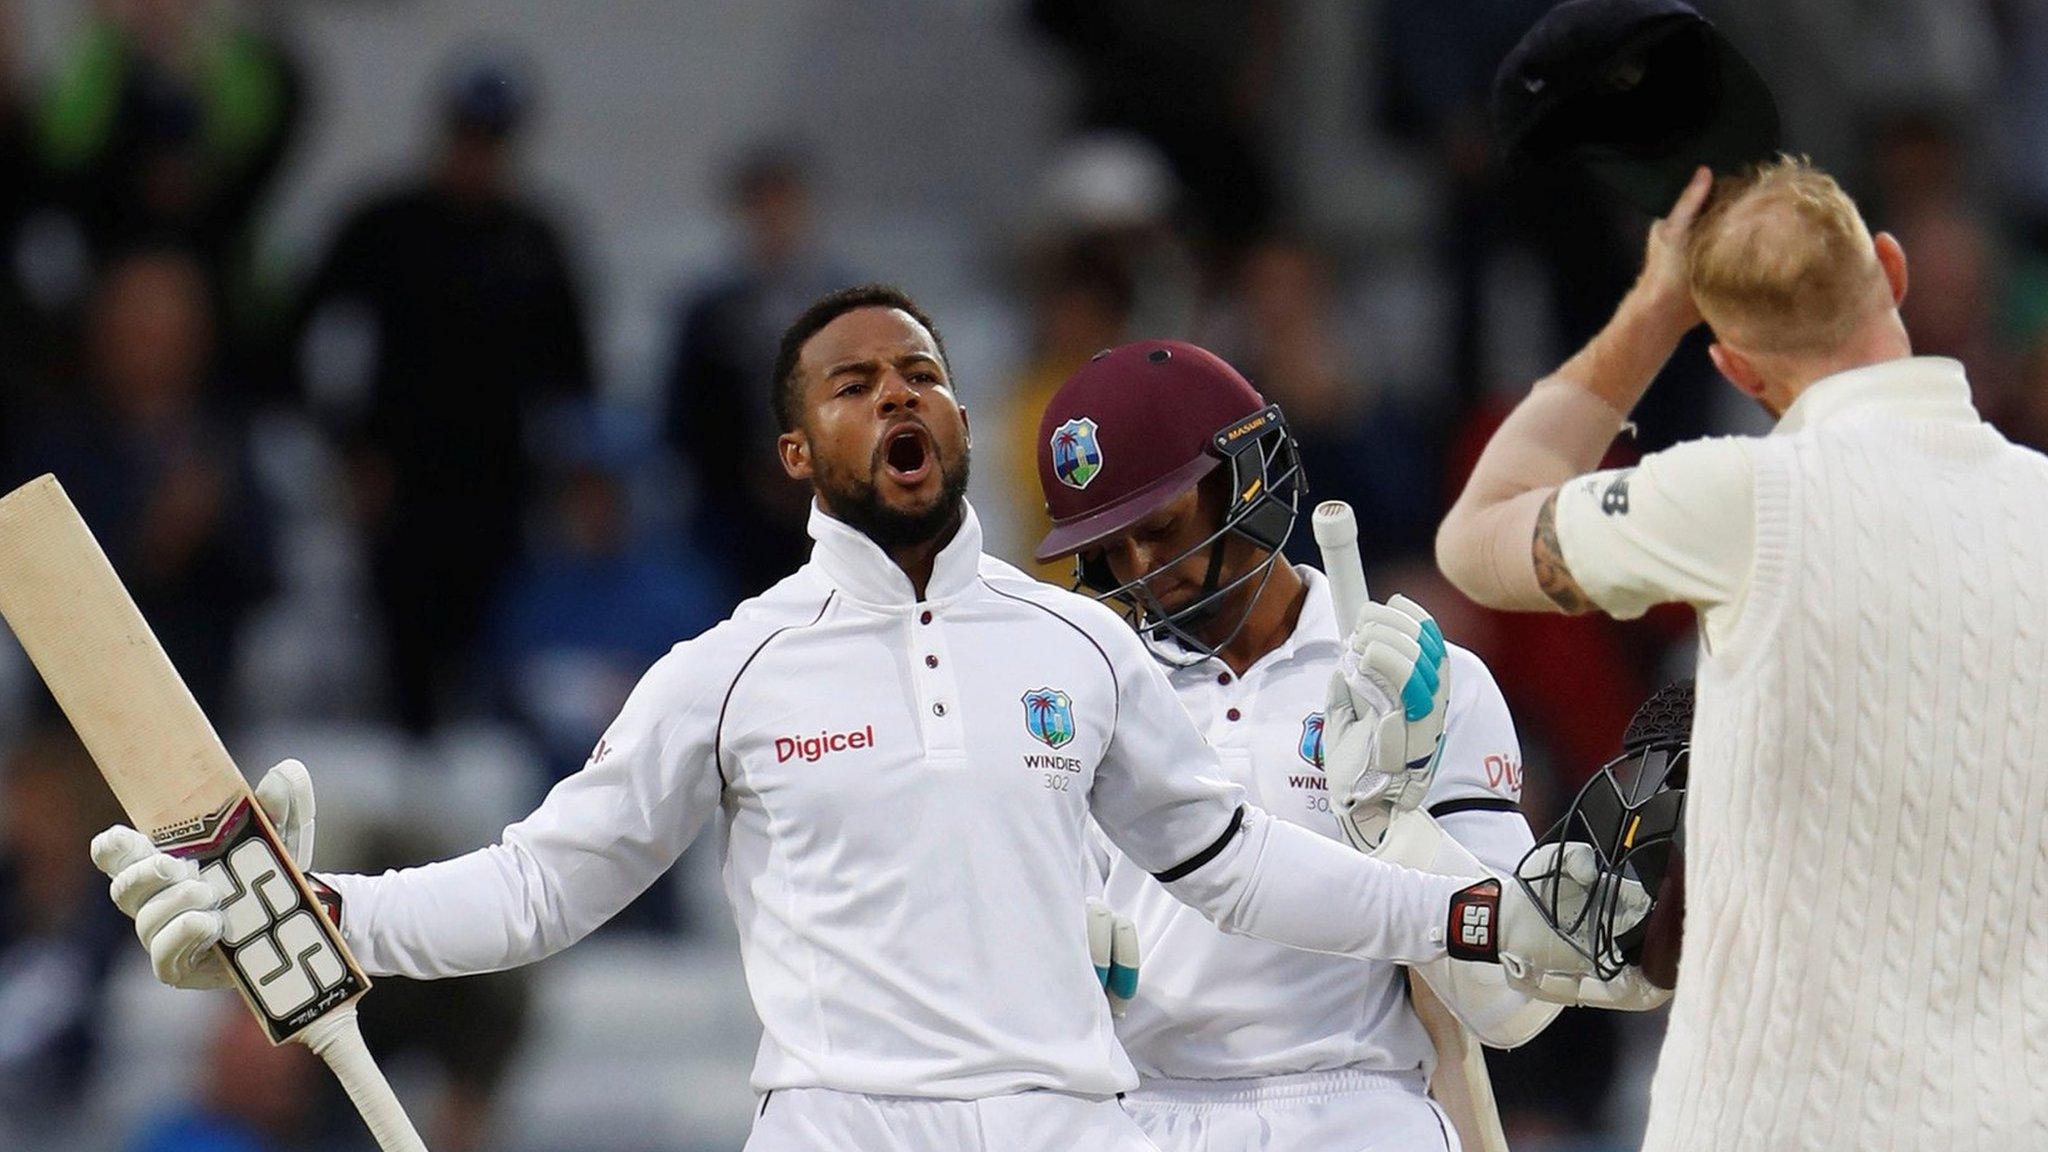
(1920, 170)
(254, 1097)
(1195, 77)
(57, 944)
(716, 393)
(454, 297)
(1114, 194)
(599, 597)
(1081, 299)
(1358, 443)
(158, 467)
(170, 119)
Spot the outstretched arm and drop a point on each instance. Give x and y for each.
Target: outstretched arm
(598, 840)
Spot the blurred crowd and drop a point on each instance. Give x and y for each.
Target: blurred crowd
(387, 495)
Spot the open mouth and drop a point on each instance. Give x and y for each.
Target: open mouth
(907, 455)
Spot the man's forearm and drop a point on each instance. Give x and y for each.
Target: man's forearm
(457, 917)
(1618, 364)
(1560, 430)
(1286, 884)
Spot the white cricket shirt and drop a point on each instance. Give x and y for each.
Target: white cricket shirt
(906, 785)
(1867, 875)
(1212, 1006)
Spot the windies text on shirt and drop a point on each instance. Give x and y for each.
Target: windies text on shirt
(811, 748)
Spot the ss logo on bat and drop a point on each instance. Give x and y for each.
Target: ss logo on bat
(274, 940)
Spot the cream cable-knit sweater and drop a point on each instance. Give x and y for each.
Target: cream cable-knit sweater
(1866, 938)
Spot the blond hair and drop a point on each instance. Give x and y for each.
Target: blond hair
(1781, 263)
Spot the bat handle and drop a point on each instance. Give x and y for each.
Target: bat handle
(336, 1039)
(1336, 529)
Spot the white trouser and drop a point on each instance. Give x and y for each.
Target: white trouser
(821, 1120)
(1348, 1110)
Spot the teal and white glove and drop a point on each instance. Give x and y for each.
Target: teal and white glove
(1113, 945)
(1383, 723)
(176, 911)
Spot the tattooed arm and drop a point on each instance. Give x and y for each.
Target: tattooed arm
(1552, 573)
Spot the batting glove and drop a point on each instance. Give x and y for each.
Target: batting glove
(1551, 957)
(1384, 718)
(176, 910)
(1113, 945)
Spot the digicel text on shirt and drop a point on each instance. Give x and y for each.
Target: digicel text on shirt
(812, 748)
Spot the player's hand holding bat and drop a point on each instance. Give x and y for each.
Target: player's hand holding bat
(177, 913)
(1384, 722)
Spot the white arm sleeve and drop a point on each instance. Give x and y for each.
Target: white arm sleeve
(1281, 882)
(1161, 797)
(598, 840)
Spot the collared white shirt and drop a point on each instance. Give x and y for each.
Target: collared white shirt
(1680, 525)
(1212, 1006)
(906, 785)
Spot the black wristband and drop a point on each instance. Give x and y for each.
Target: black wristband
(1473, 931)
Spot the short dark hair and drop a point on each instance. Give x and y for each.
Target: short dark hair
(782, 393)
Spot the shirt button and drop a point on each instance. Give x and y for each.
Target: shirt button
(939, 709)
(1223, 677)
(1233, 715)
(924, 618)
(931, 661)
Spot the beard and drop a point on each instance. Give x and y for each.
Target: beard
(856, 500)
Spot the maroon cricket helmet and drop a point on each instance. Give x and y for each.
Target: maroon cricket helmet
(1131, 430)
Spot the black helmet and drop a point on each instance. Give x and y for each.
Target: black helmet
(1632, 813)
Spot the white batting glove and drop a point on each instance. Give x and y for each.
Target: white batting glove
(1545, 963)
(1113, 946)
(1383, 722)
(176, 911)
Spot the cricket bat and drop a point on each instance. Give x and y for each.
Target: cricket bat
(1460, 1084)
(174, 778)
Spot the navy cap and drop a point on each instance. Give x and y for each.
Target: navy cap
(1638, 92)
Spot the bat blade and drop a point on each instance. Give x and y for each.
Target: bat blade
(163, 759)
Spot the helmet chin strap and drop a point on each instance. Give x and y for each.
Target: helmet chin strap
(1211, 581)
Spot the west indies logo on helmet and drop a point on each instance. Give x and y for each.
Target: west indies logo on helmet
(1076, 457)
(1132, 431)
